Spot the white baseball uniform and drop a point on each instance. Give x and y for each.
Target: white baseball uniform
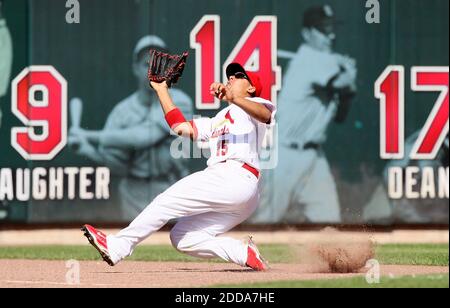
(210, 202)
(303, 119)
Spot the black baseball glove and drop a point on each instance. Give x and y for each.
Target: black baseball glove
(166, 67)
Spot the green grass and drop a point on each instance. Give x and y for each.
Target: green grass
(428, 254)
(85, 253)
(433, 255)
(429, 281)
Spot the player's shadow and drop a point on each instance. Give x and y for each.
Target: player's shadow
(181, 270)
(214, 270)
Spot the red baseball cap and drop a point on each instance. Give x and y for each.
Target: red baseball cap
(253, 78)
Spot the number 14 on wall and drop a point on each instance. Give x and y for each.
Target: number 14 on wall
(390, 90)
(256, 50)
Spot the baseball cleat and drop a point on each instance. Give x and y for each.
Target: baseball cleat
(255, 259)
(98, 240)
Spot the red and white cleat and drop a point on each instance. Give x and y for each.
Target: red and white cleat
(98, 240)
(254, 258)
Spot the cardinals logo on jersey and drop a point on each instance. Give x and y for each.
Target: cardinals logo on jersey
(221, 128)
(228, 117)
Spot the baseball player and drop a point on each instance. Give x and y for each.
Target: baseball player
(213, 201)
(6, 56)
(134, 142)
(317, 90)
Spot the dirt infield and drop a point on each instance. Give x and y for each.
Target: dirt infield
(31, 274)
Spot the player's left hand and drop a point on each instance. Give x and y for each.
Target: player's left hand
(223, 92)
(220, 91)
(159, 86)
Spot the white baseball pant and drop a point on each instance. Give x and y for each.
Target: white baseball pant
(206, 204)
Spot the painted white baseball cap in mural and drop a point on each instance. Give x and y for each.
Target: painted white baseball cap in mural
(147, 42)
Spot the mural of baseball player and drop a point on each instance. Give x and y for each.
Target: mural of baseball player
(383, 210)
(135, 141)
(318, 87)
(6, 56)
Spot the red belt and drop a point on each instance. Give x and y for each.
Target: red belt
(246, 166)
(251, 169)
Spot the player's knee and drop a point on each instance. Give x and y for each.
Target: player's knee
(178, 240)
(187, 242)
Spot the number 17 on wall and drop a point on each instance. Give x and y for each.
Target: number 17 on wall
(390, 90)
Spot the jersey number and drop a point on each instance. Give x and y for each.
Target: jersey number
(222, 149)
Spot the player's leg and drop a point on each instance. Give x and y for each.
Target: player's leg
(225, 188)
(319, 195)
(198, 235)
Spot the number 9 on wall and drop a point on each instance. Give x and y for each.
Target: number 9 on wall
(39, 101)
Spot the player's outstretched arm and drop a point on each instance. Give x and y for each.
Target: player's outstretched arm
(174, 116)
